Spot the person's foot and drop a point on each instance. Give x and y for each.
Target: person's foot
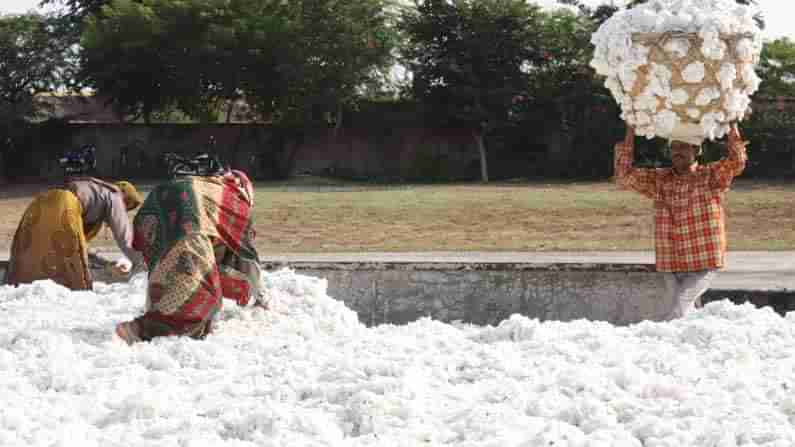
(128, 332)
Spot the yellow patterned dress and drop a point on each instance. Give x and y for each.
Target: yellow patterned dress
(51, 242)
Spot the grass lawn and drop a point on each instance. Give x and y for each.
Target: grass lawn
(319, 215)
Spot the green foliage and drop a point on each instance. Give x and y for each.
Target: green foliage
(471, 59)
(31, 61)
(290, 60)
(76, 11)
(777, 68)
(474, 61)
(333, 48)
(771, 148)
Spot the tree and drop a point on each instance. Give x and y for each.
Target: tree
(471, 60)
(76, 11)
(149, 55)
(327, 54)
(134, 55)
(336, 47)
(777, 69)
(32, 60)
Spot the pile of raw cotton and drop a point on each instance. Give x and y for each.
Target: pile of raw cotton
(680, 69)
(307, 373)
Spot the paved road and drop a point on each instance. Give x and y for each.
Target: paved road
(746, 270)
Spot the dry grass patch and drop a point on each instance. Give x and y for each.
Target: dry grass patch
(316, 215)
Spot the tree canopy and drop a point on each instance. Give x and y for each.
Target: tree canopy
(777, 69)
(31, 61)
(285, 58)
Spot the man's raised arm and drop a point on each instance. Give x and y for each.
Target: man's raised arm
(643, 181)
(725, 169)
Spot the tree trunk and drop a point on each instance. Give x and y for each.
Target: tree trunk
(484, 168)
(338, 124)
(229, 111)
(291, 153)
(147, 113)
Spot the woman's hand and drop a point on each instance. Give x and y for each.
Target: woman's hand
(122, 265)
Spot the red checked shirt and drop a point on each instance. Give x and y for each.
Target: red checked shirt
(690, 228)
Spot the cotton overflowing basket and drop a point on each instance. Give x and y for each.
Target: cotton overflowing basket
(680, 69)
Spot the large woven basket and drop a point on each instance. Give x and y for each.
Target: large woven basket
(660, 52)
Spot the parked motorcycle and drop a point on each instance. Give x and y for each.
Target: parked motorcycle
(80, 161)
(202, 164)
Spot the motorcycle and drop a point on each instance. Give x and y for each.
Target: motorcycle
(201, 164)
(79, 161)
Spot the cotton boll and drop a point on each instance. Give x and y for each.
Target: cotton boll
(559, 433)
(707, 95)
(685, 14)
(601, 66)
(736, 102)
(627, 103)
(642, 119)
(646, 101)
(661, 72)
(615, 88)
(711, 124)
(612, 438)
(694, 73)
(665, 122)
(676, 22)
(645, 20)
(679, 96)
(693, 113)
(750, 78)
(677, 47)
(727, 75)
(660, 81)
(746, 50)
(627, 77)
(714, 50)
(593, 415)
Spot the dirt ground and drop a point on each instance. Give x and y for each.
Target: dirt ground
(323, 215)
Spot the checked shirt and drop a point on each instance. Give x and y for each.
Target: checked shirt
(690, 228)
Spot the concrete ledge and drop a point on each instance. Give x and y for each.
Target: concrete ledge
(488, 292)
(459, 266)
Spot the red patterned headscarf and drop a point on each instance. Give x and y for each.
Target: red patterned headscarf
(243, 183)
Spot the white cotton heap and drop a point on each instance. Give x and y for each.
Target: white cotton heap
(307, 372)
(677, 65)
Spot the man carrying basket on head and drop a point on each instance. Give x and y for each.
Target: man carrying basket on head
(690, 227)
(682, 70)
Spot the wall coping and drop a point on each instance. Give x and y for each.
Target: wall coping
(462, 266)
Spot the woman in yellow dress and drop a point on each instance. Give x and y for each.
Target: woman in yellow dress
(51, 241)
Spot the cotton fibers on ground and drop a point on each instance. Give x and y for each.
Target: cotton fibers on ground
(307, 373)
(679, 86)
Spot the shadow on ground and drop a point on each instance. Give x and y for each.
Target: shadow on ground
(782, 302)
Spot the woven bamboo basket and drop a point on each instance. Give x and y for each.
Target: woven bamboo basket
(661, 51)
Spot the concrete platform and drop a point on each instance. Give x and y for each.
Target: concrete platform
(745, 270)
(484, 288)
